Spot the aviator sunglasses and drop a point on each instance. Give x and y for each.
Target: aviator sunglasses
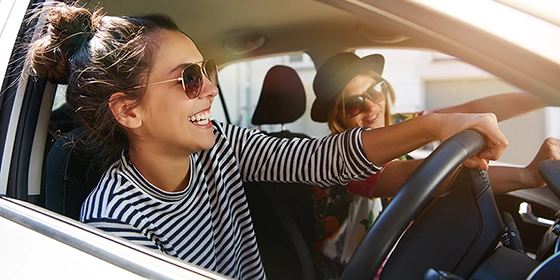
(354, 105)
(191, 77)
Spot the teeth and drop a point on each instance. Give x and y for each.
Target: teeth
(200, 118)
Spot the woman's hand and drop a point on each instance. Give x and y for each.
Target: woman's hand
(550, 149)
(486, 124)
(505, 179)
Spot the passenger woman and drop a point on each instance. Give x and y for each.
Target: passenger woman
(350, 93)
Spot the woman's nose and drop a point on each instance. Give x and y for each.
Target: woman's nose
(370, 105)
(208, 88)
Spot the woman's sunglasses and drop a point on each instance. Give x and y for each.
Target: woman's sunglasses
(354, 105)
(191, 77)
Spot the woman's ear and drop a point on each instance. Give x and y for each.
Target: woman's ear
(123, 111)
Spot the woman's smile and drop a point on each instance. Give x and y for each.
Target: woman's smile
(201, 118)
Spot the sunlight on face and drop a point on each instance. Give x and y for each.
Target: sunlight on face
(172, 122)
(373, 114)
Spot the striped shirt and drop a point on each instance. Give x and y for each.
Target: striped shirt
(208, 223)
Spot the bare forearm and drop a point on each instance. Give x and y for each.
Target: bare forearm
(396, 173)
(384, 144)
(504, 106)
(505, 179)
(393, 176)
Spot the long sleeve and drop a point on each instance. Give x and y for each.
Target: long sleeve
(326, 161)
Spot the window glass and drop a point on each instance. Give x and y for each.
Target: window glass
(295, 58)
(242, 82)
(423, 80)
(426, 80)
(11, 16)
(59, 97)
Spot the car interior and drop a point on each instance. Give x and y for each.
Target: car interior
(466, 233)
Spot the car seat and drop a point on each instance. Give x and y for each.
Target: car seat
(281, 212)
(72, 172)
(282, 101)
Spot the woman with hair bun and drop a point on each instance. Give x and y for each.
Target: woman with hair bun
(143, 91)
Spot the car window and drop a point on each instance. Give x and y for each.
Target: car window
(423, 80)
(242, 82)
(426, 80)
(11, 16)
(60, 97)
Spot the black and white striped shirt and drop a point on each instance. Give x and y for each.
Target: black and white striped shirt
(208, 223)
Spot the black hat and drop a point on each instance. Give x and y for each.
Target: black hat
(333, 76)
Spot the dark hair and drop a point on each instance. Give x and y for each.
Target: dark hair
(96, 55)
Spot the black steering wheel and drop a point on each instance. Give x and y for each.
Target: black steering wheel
(405, 206)
(550, 172)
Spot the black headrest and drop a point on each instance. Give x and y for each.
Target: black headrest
(282, 97)
(72, 172)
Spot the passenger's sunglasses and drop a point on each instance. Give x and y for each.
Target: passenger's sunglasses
(354, 105)
(191, 77)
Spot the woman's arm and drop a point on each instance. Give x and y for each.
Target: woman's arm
(331, 160)
(393, 176)
(505, 179)
(504, 106)
(384, 144)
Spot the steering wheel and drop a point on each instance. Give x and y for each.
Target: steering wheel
(406, 205)
(550, 172)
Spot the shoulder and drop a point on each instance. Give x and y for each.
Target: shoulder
(232, 132)
(114, 182)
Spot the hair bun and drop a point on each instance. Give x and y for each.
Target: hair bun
(69, 28)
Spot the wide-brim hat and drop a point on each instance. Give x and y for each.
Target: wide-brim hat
(333, 76)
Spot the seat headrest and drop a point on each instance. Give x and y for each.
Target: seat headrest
(282, 98)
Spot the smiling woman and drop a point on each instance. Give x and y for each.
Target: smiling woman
(177, 186)
(154, 139)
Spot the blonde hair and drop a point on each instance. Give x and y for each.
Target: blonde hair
(334, 121)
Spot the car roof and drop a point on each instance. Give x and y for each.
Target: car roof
(228, 31)
(288, 25)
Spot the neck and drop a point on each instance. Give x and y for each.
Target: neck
(168, 172)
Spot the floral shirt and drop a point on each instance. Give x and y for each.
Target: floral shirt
(343, 214)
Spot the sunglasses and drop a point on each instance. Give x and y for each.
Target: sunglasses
(191, 77)
(354, 105)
